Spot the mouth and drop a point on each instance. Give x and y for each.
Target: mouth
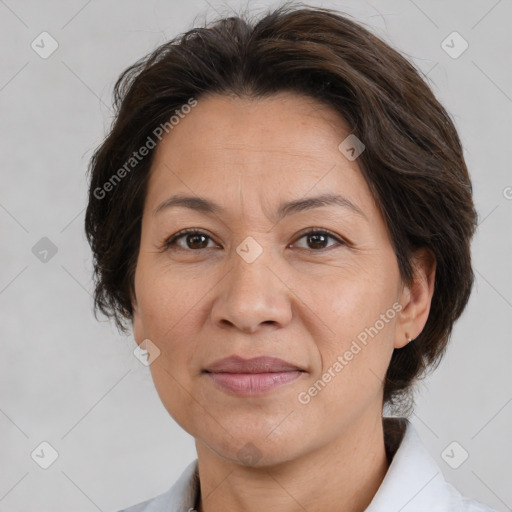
(250, 377)
(263, 364)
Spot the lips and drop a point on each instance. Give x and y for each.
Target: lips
(252, 377)
(263, 364)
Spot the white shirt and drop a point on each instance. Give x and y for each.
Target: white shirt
(413, 483)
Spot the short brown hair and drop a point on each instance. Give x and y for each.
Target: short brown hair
(413, 161)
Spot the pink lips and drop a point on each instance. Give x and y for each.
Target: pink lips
(249, 377)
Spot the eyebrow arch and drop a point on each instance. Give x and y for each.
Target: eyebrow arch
(207, 206)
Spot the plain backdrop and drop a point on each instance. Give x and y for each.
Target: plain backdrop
(73, 382)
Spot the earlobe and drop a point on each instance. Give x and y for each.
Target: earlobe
(416, 298)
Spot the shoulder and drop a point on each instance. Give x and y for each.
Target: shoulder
(152, 505)
(181, 497)
(462, 503)
(414, 481)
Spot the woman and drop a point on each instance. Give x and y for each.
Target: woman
(283, 215)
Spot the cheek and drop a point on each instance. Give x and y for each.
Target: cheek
(357, 308)
(354, 361)
(166, 299)
(173, 324)
(168, 313)
(171, 386)
(352, 298)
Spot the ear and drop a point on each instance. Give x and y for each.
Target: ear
(416, 298)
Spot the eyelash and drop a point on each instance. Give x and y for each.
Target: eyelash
(170, 243)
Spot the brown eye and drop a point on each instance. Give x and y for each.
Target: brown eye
(317, 240)
(196, 241)
(189, 239)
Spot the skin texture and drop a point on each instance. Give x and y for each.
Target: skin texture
(302, 301)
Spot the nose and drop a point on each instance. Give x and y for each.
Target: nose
(252, 296)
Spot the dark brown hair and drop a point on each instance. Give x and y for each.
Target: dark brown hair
(413, 161)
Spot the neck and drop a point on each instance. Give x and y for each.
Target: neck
(342, 475)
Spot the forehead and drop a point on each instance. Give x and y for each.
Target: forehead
(281, 146)
(273, 123)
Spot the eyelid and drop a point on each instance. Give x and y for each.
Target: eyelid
(322, 231)
(171, 241)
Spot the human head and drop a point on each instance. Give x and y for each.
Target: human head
(412, 163)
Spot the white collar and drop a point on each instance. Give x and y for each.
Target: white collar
(413, 483)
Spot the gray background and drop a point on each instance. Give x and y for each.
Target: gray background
(74, 382)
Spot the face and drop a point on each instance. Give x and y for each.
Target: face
(315, 285)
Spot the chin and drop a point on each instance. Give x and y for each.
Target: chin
(255, 451)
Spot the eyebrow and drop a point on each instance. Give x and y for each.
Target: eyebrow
(207, 206)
